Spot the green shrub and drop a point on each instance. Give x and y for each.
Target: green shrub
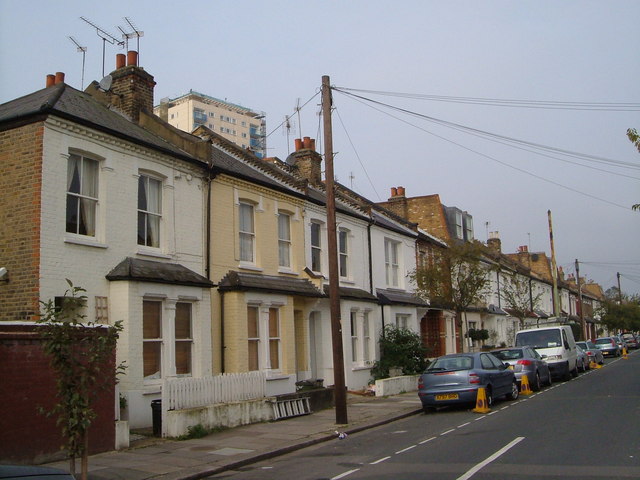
(401, 348)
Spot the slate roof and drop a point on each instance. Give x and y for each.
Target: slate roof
(268, 283)
(353, 294)
(134, 269)
(391, 297)
(66, 102)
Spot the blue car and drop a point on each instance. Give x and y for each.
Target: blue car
(454, 379)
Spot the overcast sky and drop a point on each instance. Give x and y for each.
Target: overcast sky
(270, 56)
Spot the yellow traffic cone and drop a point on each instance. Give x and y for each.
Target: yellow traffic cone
(525, 388)
(482, 405)
(624, 354)
(593, 365)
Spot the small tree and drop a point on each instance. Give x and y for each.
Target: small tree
(457, 279)
(518, 297)
(402, 348)
(81, 355)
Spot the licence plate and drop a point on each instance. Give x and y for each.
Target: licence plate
(447, 396)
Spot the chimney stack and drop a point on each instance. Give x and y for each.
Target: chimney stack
(494, 242)
(308, 161)
(131, 87)
(523, 249)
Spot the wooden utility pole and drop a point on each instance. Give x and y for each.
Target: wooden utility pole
(582, 324)
(619, 289)
(554, 270)
(340, 394)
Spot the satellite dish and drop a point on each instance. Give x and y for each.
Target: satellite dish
(105, 83)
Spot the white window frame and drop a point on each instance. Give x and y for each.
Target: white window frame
(247, 233)
(268, 344)
(284, 240)
(392, 262)
(184, 340)
(366, 338)
(155, 341)
(459, 226)
(85, 198)
(353, 325)
(148, 214)
(316, 249)
(343, 252)
(402, 320)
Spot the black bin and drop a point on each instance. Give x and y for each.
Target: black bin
(156, 411)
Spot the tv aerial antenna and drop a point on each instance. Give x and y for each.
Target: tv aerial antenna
(129, 35)
(105, 36)
(84, 52)
(287, 126)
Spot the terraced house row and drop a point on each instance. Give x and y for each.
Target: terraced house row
(215, 259)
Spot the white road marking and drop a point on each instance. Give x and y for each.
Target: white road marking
(427, 440)
(448, 431)
(380, 460)
(490, 459)
(342, 475)
(463, 425)
(405, 449)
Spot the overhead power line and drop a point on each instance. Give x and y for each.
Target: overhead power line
(499, 102)
(368, 102)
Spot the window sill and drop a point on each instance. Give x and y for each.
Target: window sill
(357, 368)
(287, 271)
(347, 281)
(152, 388)
(150, 252)
(277, 376)
(85, 241)
(249, 266)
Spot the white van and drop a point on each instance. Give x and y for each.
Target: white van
(556, 345)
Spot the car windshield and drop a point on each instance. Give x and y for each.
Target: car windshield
(451, 363)
(510, 354)
(539, 338)
(602, 341)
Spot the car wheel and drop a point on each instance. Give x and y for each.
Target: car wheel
(535, 385)
(567, 375)
(549, 380)
(489, 394)
(582, 367)
(587, 366)
(574, 372)
(515, 391)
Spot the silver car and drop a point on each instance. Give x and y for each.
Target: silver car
(526, 361)
(455, 379)
(582, 362)
(592, 351)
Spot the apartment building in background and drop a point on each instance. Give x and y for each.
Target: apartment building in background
(241, 125)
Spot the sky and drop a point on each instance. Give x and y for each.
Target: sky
(555, 74)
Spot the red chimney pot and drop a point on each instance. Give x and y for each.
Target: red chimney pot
(298, 144)
(132, 58)
(307, 142)
(401, 191)
(51, 80)
(121, 60)
(394, 191)
(59, 77)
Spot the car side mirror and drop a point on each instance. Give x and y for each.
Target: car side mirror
(566, 345)
(504, 366)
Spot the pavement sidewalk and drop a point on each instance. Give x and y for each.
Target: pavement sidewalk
(197, 458)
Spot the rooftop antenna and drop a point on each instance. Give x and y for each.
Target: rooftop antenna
(84, 51)
(297, 110)
(286, 130)
(135, 34)
(105, 36)
(351, 178)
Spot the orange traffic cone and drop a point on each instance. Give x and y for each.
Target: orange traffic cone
(624, 354)
(594, 365)
(482, 405)
(525, 388)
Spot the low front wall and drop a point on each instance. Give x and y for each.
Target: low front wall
(396, 385)
(177, 422)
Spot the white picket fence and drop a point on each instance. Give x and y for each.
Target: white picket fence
(181, 393)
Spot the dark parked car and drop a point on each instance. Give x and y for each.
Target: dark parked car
(455, 379)
(526, 361)
(22, 472)
(592, 351)
(608, 346)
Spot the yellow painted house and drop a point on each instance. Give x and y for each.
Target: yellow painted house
(263, 294)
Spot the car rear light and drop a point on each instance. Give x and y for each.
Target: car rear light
(420, 384)
(524, 362)
(474, 378)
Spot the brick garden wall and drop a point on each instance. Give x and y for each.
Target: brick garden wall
(20, 208)
(27, 383)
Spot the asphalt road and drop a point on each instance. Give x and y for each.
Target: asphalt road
(587, 428)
